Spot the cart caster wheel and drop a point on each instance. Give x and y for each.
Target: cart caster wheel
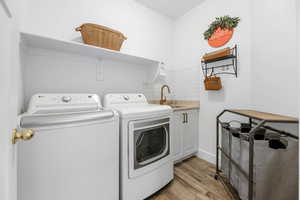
(216, 177)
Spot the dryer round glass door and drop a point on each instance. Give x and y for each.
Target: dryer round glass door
(150, 145)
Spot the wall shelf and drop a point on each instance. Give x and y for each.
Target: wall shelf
(211, 67)
(38, 41)
(219, 59)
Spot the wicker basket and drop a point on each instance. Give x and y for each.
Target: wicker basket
(213, 83)
(101, 36)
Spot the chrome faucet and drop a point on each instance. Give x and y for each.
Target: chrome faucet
(163, 98)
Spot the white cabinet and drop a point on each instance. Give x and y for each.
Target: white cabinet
(177, 126)
(185, 136)
(190, 133)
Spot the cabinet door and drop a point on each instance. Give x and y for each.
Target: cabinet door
(176, 135)
(191, 133)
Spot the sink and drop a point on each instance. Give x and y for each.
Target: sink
(176, 106)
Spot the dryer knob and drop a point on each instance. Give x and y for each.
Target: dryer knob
(66, 99)
(126, 97)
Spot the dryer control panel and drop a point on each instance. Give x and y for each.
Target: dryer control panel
(57, 103)
(124, 98)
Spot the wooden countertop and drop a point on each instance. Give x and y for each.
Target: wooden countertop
(264, 116)
(179, 105)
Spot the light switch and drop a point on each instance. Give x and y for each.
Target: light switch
(99, 71)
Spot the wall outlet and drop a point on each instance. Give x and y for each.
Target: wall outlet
(99, 71)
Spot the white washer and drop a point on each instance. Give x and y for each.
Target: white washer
(74, 153)
(146, 162)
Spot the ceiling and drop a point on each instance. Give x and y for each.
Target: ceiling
(171, 8)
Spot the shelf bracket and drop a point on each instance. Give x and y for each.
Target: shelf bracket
(5, 8)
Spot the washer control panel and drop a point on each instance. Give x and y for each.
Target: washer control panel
(44, 103)
(115, 99)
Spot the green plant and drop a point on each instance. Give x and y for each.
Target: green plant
(225, 22)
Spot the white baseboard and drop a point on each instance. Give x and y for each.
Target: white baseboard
(209, 157)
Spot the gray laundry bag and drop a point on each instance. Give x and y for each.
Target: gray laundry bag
(275, 170)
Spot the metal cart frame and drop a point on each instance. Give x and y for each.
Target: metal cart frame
(261, 118)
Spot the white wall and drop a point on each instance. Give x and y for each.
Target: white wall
(274, 56)
(148, 32)
(267, 62)
(46, 71)
(188, 48)
(275, 80)
(10, 98)
(148, 36)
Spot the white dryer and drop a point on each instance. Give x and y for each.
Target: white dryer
(146, 161)
(74, 153)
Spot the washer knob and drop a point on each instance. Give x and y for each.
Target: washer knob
(66, 99)
(126, 97)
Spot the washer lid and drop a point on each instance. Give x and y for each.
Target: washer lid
(46, 121)
(63, 103)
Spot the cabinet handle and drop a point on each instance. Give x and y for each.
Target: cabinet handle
(187, 117)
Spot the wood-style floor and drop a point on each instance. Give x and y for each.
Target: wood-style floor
(193, 180)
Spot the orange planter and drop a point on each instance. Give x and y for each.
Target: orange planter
(220, 37)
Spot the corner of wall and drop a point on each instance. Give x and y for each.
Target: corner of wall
(209, 157)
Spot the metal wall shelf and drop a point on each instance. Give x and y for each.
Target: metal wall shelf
(210, 67)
